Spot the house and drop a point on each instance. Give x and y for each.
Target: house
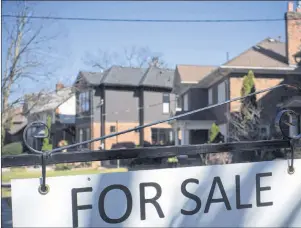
(121, 98)
(59, 106)
(272, 61)
(18, 124)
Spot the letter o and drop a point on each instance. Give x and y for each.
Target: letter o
(129, 204)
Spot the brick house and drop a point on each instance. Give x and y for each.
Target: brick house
(272, 61)
(109, 102)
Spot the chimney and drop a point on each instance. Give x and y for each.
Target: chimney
(59, 86)
(293, 32)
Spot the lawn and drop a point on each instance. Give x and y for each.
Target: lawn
(21, 173)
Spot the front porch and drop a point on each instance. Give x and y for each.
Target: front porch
(191, 131)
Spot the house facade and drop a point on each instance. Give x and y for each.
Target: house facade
(121, 98)
(273, 62)
(59, 106)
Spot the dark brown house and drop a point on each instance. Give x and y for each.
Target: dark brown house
(121, 98)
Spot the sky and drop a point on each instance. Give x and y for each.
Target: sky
(178, 43)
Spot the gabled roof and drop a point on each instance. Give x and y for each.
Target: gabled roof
(19, 121)
(267, 53)
(117, 75)
(193, 73)
(48, 101)
(92, 78)
(157, 77)
(131, 76)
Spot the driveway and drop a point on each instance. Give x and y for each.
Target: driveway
(6, 215)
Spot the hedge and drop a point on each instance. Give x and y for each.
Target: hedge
(14, 148)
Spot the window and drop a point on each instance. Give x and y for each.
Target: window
(178, 103)
(84, 135)
(166, 103)
(162, 136)
(210, 100)
(221, 92)
(185, 105)
(112, 129)
(84, 102)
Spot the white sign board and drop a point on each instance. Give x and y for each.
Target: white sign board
(251, 194)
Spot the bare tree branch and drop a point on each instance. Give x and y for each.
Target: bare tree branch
(22, 63)
(131, 57)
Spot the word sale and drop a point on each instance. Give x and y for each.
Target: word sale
(216, 185)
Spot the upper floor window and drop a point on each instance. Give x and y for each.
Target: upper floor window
(84, 101)
(178, 103)
(84, 135)
(210, 97)
(221, 92)
(185, 102)
(166, 102)
(112, 129)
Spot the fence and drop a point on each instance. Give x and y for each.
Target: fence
(55, 156)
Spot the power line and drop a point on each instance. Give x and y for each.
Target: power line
(151, 20)
(125, 110)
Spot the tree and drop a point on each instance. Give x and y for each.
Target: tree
(245, 124)
(215, 136)
(130, 57)
(248, 86)
(24, 46)
(213, 132)
(46, 145)
(14, 148)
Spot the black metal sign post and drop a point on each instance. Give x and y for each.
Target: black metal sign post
(56, 156)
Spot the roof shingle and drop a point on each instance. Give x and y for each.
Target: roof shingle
(193, 73)
(118, 75)
(131, 76)
(158, 77)
(267, 53)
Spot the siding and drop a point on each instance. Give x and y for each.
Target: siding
(96, 100)
(120, 101)
(198, 98)
(220, 111)
(155, 100)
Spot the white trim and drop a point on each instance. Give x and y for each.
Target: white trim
(185, 102)
(221, 92)
(259, 68)
(210, 96)
(189, 82)
(195, 124)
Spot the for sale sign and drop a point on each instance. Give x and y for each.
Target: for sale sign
(250, 194)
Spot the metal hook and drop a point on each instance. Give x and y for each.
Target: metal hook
(279, 121)
(291, 168)
(43, 188)
(279, 126)
(30, 125)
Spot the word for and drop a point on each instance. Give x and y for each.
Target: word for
(216, 184)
